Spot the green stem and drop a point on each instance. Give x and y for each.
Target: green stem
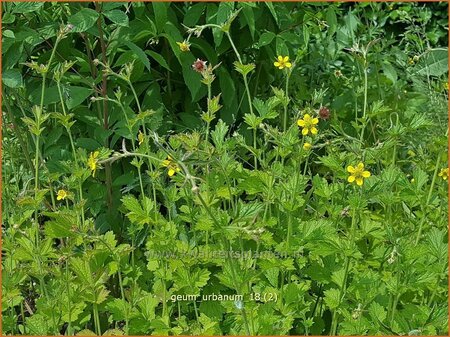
(244, 76)
(96, 320)
(430, 193)
(69, 302)
(255, 149)
(122, 293)
(365, 102)
(72, 145)
(286, 106)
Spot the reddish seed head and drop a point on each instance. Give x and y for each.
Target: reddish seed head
(324, 112)
(199, 65)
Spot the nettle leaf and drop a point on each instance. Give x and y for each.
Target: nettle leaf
(332, 298)
(139, 213)
(83, 20)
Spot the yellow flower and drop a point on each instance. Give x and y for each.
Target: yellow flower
(172, 167)
(93, 162)
(307, 146)
(357, 174)
(282, 62)
(184, 46)
(140, 137)
(61, 195)
(308, 124)
(444, 173)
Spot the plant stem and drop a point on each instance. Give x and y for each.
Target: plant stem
(69, 132)
(104, 93)
(244, 76)
(365, 102)
(286, 106)
(96, 320)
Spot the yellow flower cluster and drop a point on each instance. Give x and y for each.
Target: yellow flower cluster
(444, 173)
(93, 162)
(357, 174)
(184, 46)
(282, 62)
(61, 195)
(308, 124)
(172, 167)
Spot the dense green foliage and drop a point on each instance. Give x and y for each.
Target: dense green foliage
(134, 172)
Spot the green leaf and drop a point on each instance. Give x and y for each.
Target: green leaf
(230, 100)
(118, 17)
(77, 95)
(243, 69)
(223, 13)
(140, 54)
(272, 11)
(250, 18)
(160, 9)
(282, 48)
(27, 7)
(193, 14)
(218, 135)
(158, 58)
(139, 213)
(83, 20)
(332, 298)
(12, 78)
(390, 72)
(433, 62)
(265, 39)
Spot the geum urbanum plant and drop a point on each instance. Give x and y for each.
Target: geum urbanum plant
(210, 176)
(340, 182)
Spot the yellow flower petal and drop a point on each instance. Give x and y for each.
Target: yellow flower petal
(171, 172)
(361, 166)
(351, 179)
(315, 120)
(314, 130)
(301, 122)
(359, 181)
(276, 64)
(366, 174)
(166, 163)
(305, 131)
(281, 67)
(288, 64)
(280, 58)
(306, 117)
(286, 59)
(350, 169)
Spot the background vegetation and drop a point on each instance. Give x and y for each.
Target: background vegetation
(115, 152)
